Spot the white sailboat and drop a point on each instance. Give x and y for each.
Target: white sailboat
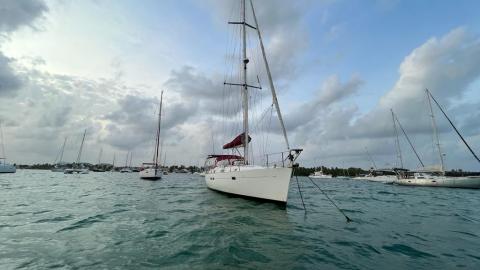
(153, 171)
(126, 169)
(60, 166)
(4, 166)
(435, 176)
(77, 167)
(236, 174)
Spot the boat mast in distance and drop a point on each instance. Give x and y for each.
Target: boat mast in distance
(435, 133)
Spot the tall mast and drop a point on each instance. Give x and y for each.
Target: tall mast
(435, 132)
(397, 141)
(245, 86)
(371, 159)
(408, 140)
(63, 150)
(1, 139)
(81, 147)
(113, 162)
(130, 163)
(157, 142)
(126, 159)
(270, 80)
(453, 126)
(100, 155)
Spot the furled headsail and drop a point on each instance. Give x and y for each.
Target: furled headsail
(237, 142)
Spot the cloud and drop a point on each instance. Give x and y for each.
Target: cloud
(448, 66)
(9, 82)
(15, 14)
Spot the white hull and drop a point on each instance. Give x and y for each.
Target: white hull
(251, 181)
(440, 181)
(7, 168)
(125, 170)
(76, 171)
(382, 178)
(151, 174)
(327, 176)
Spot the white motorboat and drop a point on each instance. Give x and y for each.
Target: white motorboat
(4, 166)
(381, 175)
(235, 173)
(77, 167)
(153, 171)
(76, 171)
(320, 174)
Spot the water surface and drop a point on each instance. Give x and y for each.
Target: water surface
(116, 221)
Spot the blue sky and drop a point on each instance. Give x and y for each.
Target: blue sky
(339, 66)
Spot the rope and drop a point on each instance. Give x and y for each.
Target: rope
(340, 210)
(301, 196)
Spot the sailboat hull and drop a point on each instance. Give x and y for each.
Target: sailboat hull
(450, 182)
(7, 168)
(151, 174)
(250, 181)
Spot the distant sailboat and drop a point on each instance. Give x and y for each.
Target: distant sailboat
(126, 169)
(77, 166)
(153, 171)
(235, 173)
(434, 176)
(60, 166)
(4, 166)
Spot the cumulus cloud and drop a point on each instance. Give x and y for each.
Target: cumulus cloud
(448, 66)
(9, 81)
(13, 15)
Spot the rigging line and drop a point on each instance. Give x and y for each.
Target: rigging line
(408, 139)
(456, 130)
(300, 191)
(270, 80)
(334, 204)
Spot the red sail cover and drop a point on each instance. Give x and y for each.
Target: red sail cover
(237, 142)
(225, 157)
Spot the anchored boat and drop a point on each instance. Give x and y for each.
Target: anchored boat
(435, 177)
(152, 171)
(4, 166)
(78, 167)
(236, 173)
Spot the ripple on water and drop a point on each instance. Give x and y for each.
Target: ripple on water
(408, 251)
(84, 223)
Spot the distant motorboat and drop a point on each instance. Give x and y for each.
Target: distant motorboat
(76, 171)
(384, 176)
(320, 174)
(125, 170)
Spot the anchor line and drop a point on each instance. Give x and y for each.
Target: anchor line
(334, 204)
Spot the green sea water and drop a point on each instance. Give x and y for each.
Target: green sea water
(117, 221)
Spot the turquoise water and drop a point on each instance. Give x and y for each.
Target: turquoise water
(116, 221)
